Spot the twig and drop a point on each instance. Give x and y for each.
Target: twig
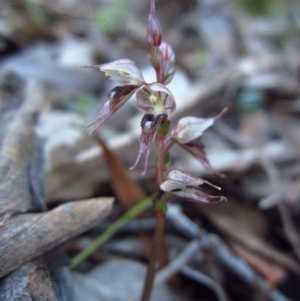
(172, 268)
(179, 264)
(274, 178)
(241, 268)
(289, 226)
(223, 253)
(205, 280)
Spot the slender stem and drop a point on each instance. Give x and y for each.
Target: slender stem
(160, 159)
(153, 263)
(159, 201)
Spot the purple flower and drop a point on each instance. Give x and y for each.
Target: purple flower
(124, 72)
(188, 131)
(155, 99)
(187, 186)
(117, 97)
(150, 125)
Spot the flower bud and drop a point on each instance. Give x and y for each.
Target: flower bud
(167, 52)
(154, 29)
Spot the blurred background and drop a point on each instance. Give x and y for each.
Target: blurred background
(240, 54)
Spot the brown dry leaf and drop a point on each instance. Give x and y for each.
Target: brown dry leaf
(270, 270)
(256, 126)
(293, 192)
(128, 192)
(289, 127)
(246, 227)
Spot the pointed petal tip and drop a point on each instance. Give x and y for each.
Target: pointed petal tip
(136, 161)
(222, 113)
(223, 198)
(92, 66)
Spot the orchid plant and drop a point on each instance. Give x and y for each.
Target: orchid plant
(157, 103)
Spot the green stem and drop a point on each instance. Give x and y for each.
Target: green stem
(109, 232)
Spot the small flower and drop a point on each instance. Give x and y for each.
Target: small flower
(188, 131)
(150, 125)
(187, 186)
(155, 99)
(122, 71)
(117, 97)
(190, 128)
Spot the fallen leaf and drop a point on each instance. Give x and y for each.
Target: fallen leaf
(273, 272)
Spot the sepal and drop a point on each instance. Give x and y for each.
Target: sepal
(123, 71)
(187, 186)
(117, 98)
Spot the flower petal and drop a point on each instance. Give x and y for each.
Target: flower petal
(190, 128)
(198, 196)
(123, 71)
(149, 125)
(186, 186)
(179, 180)
(167, 52)
(155, 99)
(197, 149)
(117, 97)
(143, 102)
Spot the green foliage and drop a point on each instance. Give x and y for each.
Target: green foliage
(36, 12)
(167, 160)
(108, 18)
(259, 7)
(202, 59)
(249, 101)
(80, 104)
